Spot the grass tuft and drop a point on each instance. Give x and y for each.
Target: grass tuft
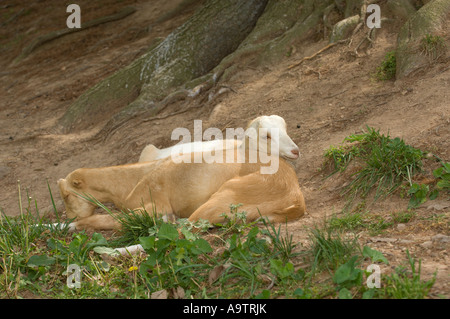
(387, 163)
(386, 71)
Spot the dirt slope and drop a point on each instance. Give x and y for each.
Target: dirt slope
(323, 100)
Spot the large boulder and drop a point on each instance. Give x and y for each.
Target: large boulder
(424, 27)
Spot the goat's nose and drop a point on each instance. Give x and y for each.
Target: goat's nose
(295, 152)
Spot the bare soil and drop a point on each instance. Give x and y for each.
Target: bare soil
(323, 100)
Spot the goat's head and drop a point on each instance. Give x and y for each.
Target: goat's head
(270, 133)
(76, 206)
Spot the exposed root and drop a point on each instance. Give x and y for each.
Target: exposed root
(316, 54)
(369, 37)
(57, 34)
(14, 17)
(204, 95)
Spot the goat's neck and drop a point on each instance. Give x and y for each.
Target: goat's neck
(249, 151)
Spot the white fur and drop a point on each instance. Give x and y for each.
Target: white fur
(261, 125)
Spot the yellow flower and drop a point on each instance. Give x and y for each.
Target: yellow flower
(132, 268)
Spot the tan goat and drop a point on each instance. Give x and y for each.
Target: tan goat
(186, 189)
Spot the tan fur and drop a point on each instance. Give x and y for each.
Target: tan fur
(187, 190)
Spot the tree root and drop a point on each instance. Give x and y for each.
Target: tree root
(196, 89)
(15, 16)
(57, 34)
(316, 54)
(369, 37)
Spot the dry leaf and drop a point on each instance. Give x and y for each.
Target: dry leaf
(160, 294)
(216, 273)
(178, 293)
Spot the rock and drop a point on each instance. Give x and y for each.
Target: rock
(441, 238)
(383, 240)
(343, 28)
(438, 206)
(401, 227)
(427, 244)
(401, 8)
(429, 19)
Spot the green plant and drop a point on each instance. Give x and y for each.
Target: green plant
(387, 163)
(349, 221)
(387, 69)
(282, 244)
(77, 250)
(347, 276)
(343, 154)
(421, 192)
(329, 249)
(340, 157)
(245, 260)
(374, 255)
(433, 46)
(406, 284)
(442, 174)
(356, 221)
(235, 221)
(418, 193)
(403, 216)
(172, 261)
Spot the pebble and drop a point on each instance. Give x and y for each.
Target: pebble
(441, 238)
(401, 226)
(427, 244)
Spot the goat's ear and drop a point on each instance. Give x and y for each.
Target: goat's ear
(76, 183)
(62, 188)
(252, 129)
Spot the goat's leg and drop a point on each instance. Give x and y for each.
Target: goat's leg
(259, 198)
(97, 222)
(213, 211)
(160, 209)
(108, 222)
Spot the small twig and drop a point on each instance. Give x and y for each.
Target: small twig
(379, 104)
(316, 54)
(271, 284)
(160, 117)
(336, 94)
(368, 37)
(228, 87)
